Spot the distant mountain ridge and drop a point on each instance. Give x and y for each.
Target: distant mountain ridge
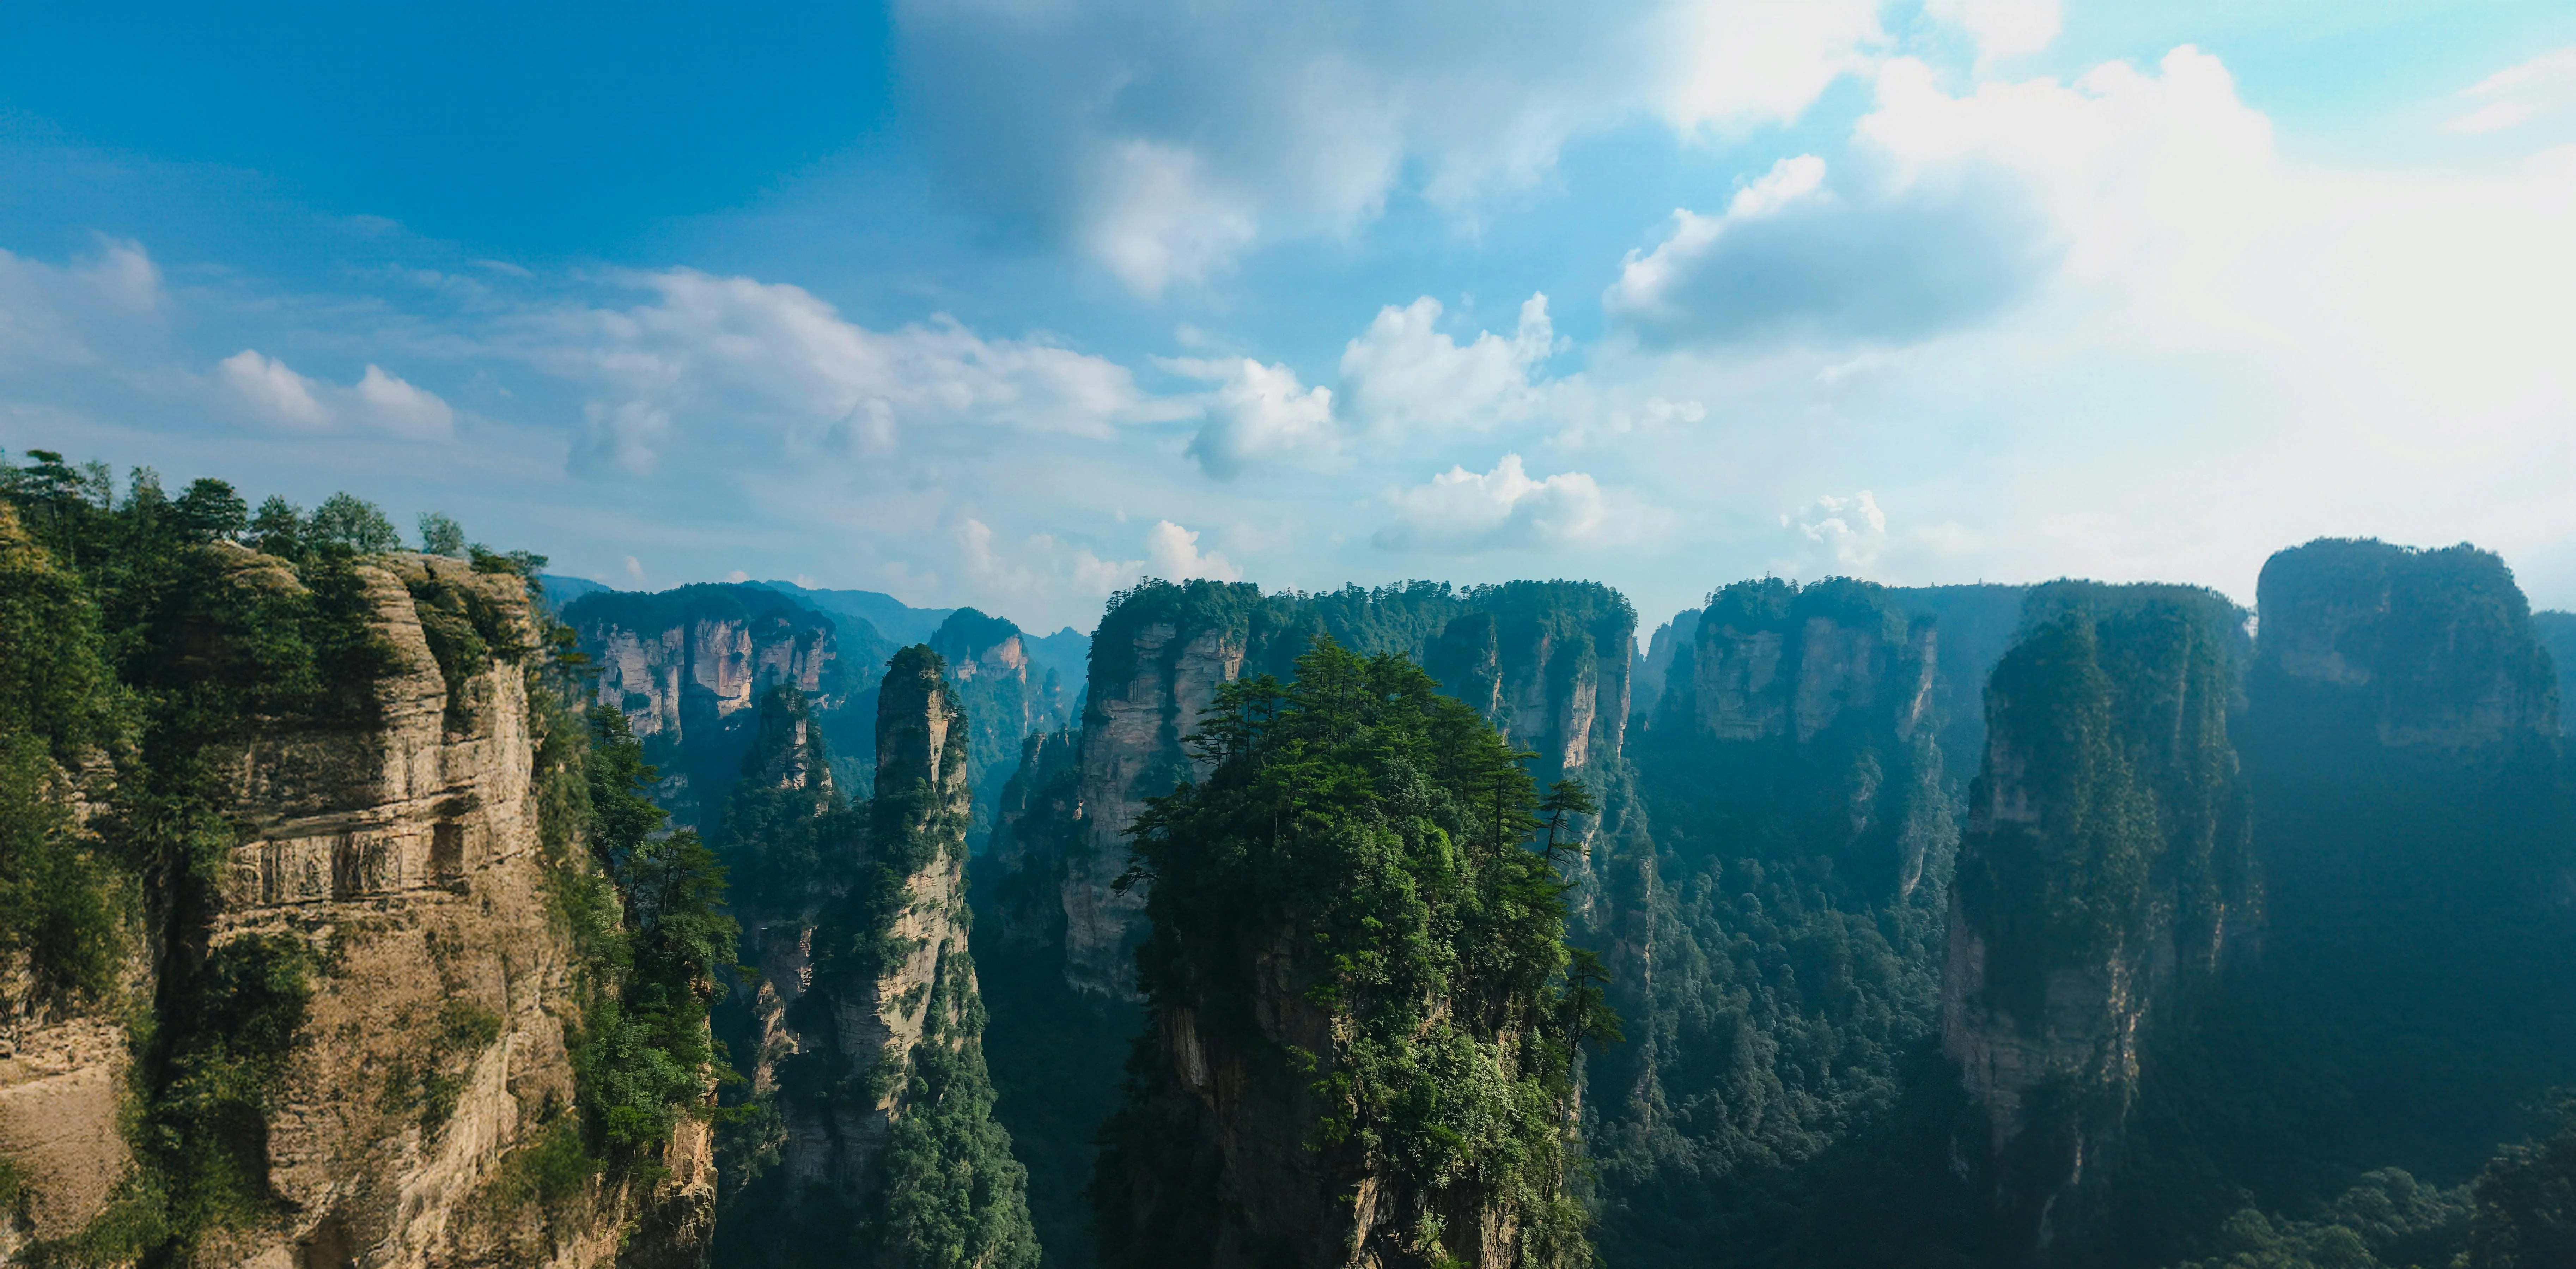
(1067, 651)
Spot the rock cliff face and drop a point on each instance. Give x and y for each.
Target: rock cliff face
(1038, 824)
(2435, 649)
(1811, 704)
(2402, 740)
(687, 667)
(1767, 893)
(1356, 1058)
(391, 867)
(868, 1023)
(406, 858)
(1009, 695)
(2105, 872)
(1548, 662)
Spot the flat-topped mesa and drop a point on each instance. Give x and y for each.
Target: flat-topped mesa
(2420, 649)
(1548, 662)
(2106, 867)
(1771, 659)
(1806, 711)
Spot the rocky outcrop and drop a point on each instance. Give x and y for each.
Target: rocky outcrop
(703, 661)
(1038, 823)
(2105, 872)
(688, 666)
(393, 869)
(1337, 1078)
(867, 1020)
(1655, 668)
(2417, 831)
(1769, 659)
(1807, 712)
(1547, 662)
(1975, 625)
(1008, 695)
(2431, 649)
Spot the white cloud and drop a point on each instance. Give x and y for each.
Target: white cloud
(1259, 413)
(2518, 94)
(1172, 553)
(1649, 281)
(1152, 217)
(1952, 210)
(1844, 535)
(273, 392)
(1044, 574)
(1753, 61)
(1165, 138)
(2001, 28)
(59, 314)
(1505, 509)
(397, 407)
(736, 350)
(1403, 374)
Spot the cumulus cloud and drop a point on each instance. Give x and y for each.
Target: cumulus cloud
(1041, 572)
(740, 349)
(1259, 413)
(1165, 138)
(2001, 28)
(1404, 374)
(59, 313)
(2518, 94)
(272, 391)
(1847, 534)
(394, 406)
(1172, 553)
(275, 394)
(1791, 257)
(1949, 210)
(1464, 512)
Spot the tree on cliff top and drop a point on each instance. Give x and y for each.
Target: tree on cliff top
(1386, 830)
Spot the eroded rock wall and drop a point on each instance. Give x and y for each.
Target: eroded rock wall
(397, 860)
(1547, 662)
(2105, 872)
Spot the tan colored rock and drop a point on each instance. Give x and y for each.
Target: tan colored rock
(405, 855)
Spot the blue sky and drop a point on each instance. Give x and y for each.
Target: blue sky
(1010, 302)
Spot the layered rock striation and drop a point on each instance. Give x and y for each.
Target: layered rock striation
(360, 991)
(687, 667)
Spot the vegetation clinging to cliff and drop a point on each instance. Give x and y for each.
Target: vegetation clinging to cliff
(1383, 829)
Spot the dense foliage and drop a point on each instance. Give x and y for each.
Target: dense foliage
(943, 1190)
(1774, 906)
(144, 639)
(1380, 830)
(645, 1055)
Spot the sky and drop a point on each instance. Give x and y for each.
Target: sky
(1011, 303)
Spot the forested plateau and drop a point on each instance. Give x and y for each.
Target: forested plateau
(386, 901)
